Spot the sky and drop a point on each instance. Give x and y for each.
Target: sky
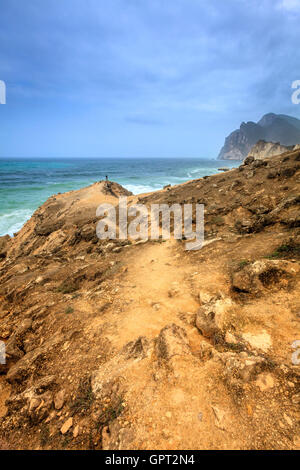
(142, 78)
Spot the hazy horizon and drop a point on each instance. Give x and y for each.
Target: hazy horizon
(113, 157)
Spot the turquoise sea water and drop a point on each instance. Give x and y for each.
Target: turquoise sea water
(26, 184)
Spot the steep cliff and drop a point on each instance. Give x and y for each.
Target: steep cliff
(272, 128)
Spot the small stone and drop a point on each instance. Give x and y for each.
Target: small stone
(173, 293)
(76, 431)
(288, 419)
(168, 414)
(264, 382)
(219, 417)
(34, 403)
(297, 443)
(260, 340)
(205, 297)
(156, 306)
(59, 400)
(229, 338)
(66, 426)
(296, 399)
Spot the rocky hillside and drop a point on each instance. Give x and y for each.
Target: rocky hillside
(143, 345)
(271, 128)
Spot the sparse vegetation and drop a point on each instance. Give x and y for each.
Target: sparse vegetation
(75, 296)
(69, 310)
(218, 220)
(45, 434)
(271, 276)
(85, 397)
(111, 271)
(66, 441)
(288, 250)
(112, 412)
(67, 287)
(243, 263)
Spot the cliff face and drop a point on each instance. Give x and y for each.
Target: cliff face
(272, 127)
(118, 344)
(263, 149)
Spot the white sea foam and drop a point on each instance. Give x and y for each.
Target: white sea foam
(13, 221)
(140, 189)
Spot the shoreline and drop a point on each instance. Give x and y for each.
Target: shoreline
(24, 188)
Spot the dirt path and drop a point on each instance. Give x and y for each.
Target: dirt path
(156, 291)
(183, 402)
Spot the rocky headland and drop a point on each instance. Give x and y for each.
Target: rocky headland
(142, 345)
(271, 128)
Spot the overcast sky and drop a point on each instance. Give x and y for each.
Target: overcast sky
(142, 78)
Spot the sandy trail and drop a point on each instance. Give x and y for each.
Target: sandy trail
(157, 292)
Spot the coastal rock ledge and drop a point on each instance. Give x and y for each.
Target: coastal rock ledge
(118, 344)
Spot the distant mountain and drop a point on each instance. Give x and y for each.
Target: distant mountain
(271, 128)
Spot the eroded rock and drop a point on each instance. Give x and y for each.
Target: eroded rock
(212, 317)
(260, 275)
(172, 341)
(137, 349)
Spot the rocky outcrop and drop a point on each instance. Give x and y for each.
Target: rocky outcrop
(263, 149)
(271, 128)
(125, 344)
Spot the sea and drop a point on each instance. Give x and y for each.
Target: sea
(25, 184)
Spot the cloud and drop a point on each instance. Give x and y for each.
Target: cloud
(148, 67)
(290, 5)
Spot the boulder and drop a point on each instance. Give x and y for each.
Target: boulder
(172, 341)
(13, 350)
(27, 364)
(259, 275)
(249, 160)
(211, 317)
(241, 368)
